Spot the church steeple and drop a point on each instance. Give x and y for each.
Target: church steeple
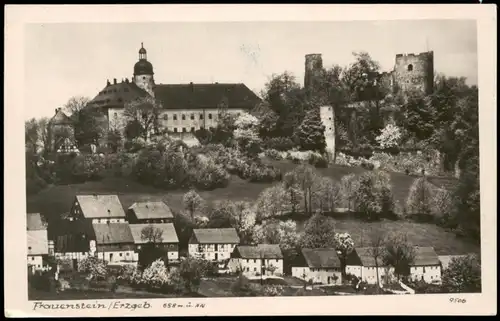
(143, 72)
(142, 53)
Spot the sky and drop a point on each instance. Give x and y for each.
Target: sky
(66, 60)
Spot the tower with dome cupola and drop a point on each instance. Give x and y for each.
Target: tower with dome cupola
(143, 72)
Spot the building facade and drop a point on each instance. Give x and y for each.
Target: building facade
(214, 244)
(361, 264)
(184, 108)
(162, 235)
(37, 241)
(426, 265)
(260, 259)
(321, 266)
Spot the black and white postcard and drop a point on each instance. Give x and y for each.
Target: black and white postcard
(250, 160)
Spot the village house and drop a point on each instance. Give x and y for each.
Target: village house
(113, 242)
(149, 212)
(73, 235)
(162, 235)
(260, 259)
(426, 265)
(361, 263)
(38, 243)
(318, 265)
(98, 209)
(214, 244)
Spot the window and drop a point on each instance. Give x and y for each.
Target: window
(183, 129)
(247, 260)
(192, 116)
(175, 130)
(32, 258)
(143, 78)
(423, 268)
(128, 254)
(248, 269)
(254, 261)
(165, 117)
(255, 269)
(183, 117)
(410, 67)
(192, 129)
(209, 116)
(201, 116)
(29, 247)
(175, 116)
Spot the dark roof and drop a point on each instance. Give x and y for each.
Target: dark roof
(366, 257)
(35, 222)
(38, 242)
(100, 206)
(216, 235)
(116, 95)
(143, 67)
(185, 96)
(321, 258)
(425, 256)
(60, 118)
(265, 251)
(169, 235)
(151, 210)
(112, 233)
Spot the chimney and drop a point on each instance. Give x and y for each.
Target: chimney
(114, 81)
(108, 83)
(192, 86)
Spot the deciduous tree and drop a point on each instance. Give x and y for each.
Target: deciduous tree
(193, 202)
(399, 254)
(144, 111)
(463, 275)
(319, 232)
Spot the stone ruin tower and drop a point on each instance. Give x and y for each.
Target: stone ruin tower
(313, 71)
(414, 72)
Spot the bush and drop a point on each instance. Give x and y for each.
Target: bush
(261, 173)
(318, 161)
(273, 290)
(279, 143)
(43, 281)
(134, 145)
(95, 267)
(274, 154)
(208, 175)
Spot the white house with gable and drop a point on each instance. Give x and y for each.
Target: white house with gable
(361, 263)
(260, 259)
(214, 244)
(318, 265)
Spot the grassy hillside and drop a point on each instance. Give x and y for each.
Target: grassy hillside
(55, 200)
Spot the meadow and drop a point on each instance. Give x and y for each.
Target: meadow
(57, 199)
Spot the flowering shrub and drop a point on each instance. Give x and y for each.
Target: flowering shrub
(95, 267)
(258, 172)
(130, 274)
(209, 175)
(273, 290)
(134, 145)
(275, 154)
(156, 275)
(389, 137)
